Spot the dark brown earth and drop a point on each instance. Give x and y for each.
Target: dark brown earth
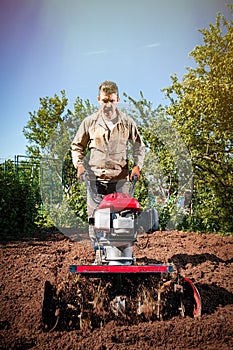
(207, 259)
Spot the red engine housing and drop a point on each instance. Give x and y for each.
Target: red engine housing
(119, 201)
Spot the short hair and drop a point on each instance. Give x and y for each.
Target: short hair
(109, 87)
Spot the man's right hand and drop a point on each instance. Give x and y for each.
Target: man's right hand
(80, 171)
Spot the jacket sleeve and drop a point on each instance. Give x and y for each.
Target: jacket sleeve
(138, 146)
(79, 145)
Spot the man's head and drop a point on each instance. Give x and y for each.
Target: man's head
(109, 87)
(108, 98)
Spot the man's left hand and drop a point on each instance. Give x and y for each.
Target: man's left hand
(135, 171)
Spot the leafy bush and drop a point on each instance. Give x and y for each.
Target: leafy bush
(19, 201)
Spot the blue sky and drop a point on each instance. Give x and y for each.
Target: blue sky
(50, 45)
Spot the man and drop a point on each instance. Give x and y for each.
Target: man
(106, 134)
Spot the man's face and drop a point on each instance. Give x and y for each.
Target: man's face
(108, 104)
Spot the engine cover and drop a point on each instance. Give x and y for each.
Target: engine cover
(118, 202)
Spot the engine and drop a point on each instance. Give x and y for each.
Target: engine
(119, 216)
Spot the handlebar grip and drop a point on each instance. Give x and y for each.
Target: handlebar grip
(134, 180)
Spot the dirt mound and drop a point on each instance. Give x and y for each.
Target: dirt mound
(29, 262)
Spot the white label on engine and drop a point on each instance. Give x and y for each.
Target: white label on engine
(121, 222)
(102, 219)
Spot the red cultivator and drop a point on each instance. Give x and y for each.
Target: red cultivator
(115, 286)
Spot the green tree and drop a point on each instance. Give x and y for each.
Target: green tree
(43, 122)
(50, 131)
(202, 112)
(167, 170)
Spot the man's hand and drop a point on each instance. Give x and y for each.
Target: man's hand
(80, 171)
(135, 171)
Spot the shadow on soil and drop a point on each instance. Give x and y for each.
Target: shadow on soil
(45, 234)
(39, 235)
(212, 295)
(181, 260)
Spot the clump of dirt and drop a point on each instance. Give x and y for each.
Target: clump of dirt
(28, 262)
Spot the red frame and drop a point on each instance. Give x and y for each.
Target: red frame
(122, 268)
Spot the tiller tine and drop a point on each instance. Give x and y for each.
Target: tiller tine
(197, 297)
(180, 293)
(50, 313)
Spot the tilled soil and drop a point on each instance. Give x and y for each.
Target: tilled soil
(26, 263)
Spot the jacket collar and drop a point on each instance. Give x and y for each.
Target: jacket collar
(100, 120)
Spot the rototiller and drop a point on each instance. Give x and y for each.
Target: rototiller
(115, 286)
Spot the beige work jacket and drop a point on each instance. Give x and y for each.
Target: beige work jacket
(108, 148)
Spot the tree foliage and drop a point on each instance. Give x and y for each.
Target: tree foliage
(167, 172)
(20, 198)
(50, 131)
(202, 111)
(43, 122)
